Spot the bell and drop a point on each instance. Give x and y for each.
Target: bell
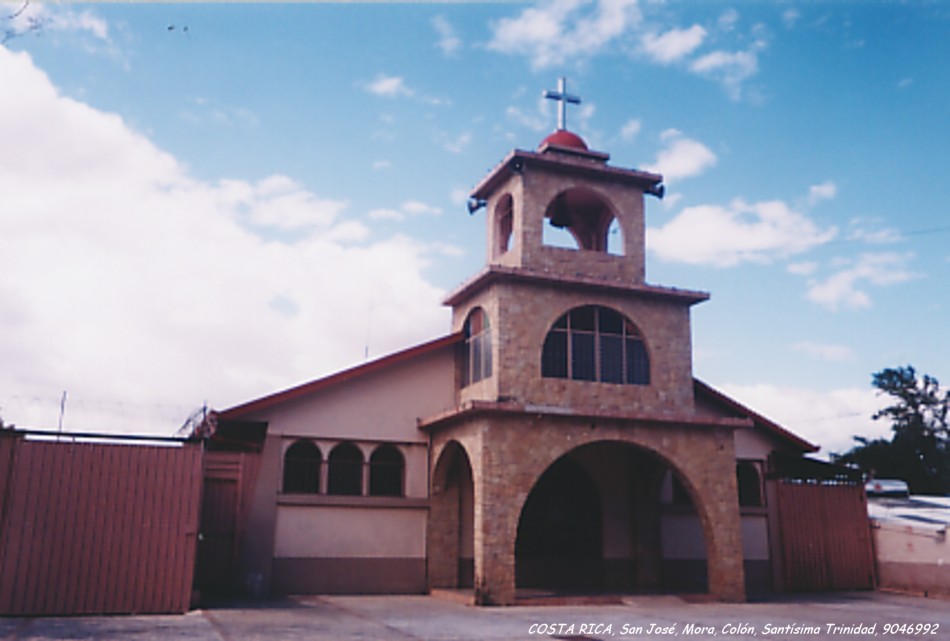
(560, 213)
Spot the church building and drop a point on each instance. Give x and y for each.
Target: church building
(554, 441)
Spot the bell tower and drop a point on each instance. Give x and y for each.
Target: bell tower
(572, 327)
(565, 185)
(571, 359)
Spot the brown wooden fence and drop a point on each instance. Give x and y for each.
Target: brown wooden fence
(826, 536)
(94, 527)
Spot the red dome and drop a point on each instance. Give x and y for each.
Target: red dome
(564, 138)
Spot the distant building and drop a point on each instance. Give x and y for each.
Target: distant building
(555, 440)
(910, 538)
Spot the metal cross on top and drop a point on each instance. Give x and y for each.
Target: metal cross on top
(562, 98)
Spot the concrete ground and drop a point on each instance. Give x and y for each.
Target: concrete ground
(345, 618)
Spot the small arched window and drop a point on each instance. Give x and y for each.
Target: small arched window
(386, 471)
(749, 483)
(302, 468)
(345, 470)
(477, 360)
(594, 343)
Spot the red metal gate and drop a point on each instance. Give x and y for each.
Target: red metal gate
(94, 527)
(826, 536)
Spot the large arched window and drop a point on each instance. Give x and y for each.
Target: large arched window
(594, 343)
(477, 363)
(386, 471)
(302, 468)
(345, 470)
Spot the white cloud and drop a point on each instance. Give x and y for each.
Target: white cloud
(564, 30)
(418, 208)
(449, 42)
(828, 418)
(825, 352)
(824, 191)
(280, 203)
(742, 232)
(388, 86)
(24, 18)
(132, 284)
(673, 45)
(869, 231)
(630, 129)
(731, 69)
(681, 157)
(806, 268)
(728, 20)
(790, 17)
(407, 209)
(386, 214)
(848, 287)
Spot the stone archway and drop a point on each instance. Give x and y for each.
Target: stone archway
(609, 517)
(451, 518)
(560, 532)
(517, 450)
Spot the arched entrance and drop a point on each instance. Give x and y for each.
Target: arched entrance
(610, 517)
(560, 539)
(451, 520)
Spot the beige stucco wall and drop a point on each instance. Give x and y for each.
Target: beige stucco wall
(365, 544)
(382, 406)
(349, 532)
(753, 444)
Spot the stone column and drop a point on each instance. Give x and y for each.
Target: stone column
(497, 510)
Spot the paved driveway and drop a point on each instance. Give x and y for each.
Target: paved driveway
(845, 616)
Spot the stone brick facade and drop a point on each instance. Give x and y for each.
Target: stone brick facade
(509, 449)
(514, 425)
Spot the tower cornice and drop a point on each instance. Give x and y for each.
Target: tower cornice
(492, 274)
(590, 164)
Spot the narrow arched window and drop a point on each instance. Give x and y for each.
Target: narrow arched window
(749, 483)
(386, 471)
(302, 468)
(594, 343)
(504, 224)
(477, 359)
(345, 470)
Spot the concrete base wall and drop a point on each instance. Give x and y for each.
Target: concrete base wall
(920, 578)
(349, 576)
(912, 559)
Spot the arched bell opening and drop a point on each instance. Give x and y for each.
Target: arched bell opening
(600, 519)
(580, 218)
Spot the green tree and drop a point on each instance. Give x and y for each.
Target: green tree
(919, 449)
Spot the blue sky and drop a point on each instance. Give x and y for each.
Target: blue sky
(203, 203)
